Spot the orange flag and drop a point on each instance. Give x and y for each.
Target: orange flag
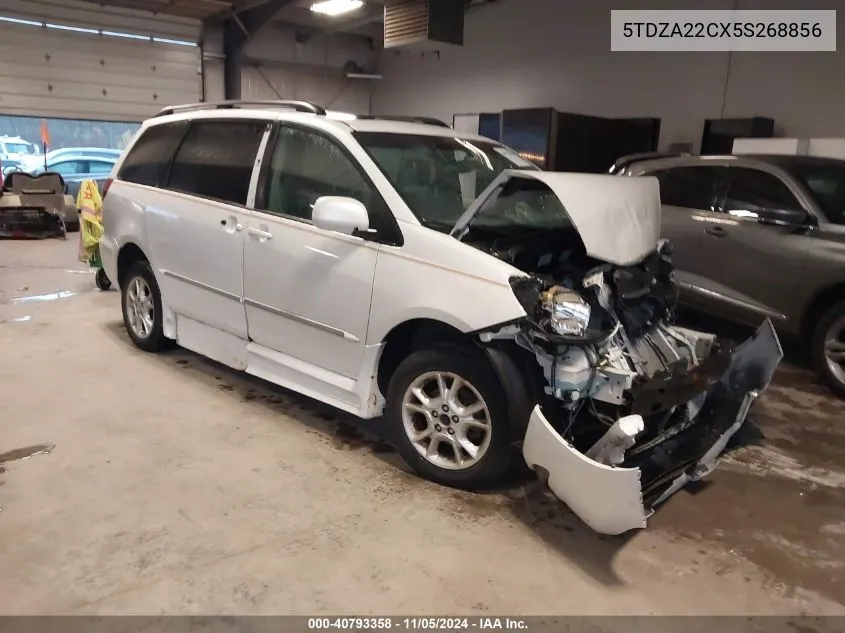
(45, 133)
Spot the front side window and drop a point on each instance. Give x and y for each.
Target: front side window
(306, 166)
(150, 157)
(20, 148)
(216, 159)
(438, 177)
(69, 167)
(753, 190)
(688, 187)
(826, 183)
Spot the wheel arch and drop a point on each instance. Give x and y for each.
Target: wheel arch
(128, 254)
(505, 361)
(821, 303)
(406, 337)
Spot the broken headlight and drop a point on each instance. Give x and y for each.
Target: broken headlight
(569, 313)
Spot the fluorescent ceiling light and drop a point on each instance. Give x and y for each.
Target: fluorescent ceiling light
(336, 7)
(363, 76)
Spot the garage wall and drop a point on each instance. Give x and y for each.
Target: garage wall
(48, 71)
(523, 53)
(311, 71)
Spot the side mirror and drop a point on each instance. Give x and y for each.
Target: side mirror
(341, 215)
(784, 217)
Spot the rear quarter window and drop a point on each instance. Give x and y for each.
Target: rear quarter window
(149, 159)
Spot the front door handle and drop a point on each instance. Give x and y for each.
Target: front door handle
(260, 234)
(716, 231)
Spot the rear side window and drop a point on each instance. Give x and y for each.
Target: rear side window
(216, 159)
(689, 187)
(149, 159)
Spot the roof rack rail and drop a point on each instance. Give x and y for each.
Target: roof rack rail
(626, 161)
(299, 106)
(406, 119)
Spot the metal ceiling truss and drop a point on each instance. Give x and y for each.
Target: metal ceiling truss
(238, 30)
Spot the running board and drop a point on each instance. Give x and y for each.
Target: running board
(305, 378)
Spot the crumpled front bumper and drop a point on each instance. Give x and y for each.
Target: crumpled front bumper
(613, 500)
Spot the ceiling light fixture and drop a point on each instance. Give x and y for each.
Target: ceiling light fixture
(336, 7)
(363, 76)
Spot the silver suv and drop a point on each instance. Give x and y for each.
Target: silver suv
(759, 236)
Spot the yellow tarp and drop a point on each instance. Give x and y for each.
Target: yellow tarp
(90, 204)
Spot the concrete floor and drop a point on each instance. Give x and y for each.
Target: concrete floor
(178, 486)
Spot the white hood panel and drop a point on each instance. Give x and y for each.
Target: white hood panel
(617, 217)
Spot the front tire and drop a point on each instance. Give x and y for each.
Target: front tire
(449, 417)
(828, 348)
(142, 312)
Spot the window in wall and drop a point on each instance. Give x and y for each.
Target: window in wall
(216, 159)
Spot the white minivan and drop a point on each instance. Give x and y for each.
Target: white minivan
(437, 278)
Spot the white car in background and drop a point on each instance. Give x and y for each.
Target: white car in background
(436, 278)
(15, 151)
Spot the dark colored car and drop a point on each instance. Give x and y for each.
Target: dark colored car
(761, 236)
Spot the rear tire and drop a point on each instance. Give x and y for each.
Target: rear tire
(142, 311)
(828, 347)
(455, 438)
(102, 280)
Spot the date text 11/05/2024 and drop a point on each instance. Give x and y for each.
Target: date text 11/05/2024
(417, 624)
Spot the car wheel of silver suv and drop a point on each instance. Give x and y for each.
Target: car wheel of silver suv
(828, 347)
(449, 418)
(142, 312)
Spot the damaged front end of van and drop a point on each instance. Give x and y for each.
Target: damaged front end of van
(631, 406)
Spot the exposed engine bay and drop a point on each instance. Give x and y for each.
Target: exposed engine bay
(624, 388)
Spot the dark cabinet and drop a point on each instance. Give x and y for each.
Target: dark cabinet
(564, 141)
(719, 134)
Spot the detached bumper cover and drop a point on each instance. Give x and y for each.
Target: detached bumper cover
(30, 222)
(613, 500)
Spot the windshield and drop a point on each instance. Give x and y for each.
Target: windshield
(19, 148)
(437, 176)
(826, 182)
(523, 205)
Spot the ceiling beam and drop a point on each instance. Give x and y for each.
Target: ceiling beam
(238, 30)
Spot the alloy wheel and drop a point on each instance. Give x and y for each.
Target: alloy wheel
(446, 420)
(140, 307)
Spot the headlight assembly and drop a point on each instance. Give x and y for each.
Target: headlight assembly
(569, 313)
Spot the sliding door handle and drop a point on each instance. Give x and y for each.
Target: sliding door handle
(260, 234)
